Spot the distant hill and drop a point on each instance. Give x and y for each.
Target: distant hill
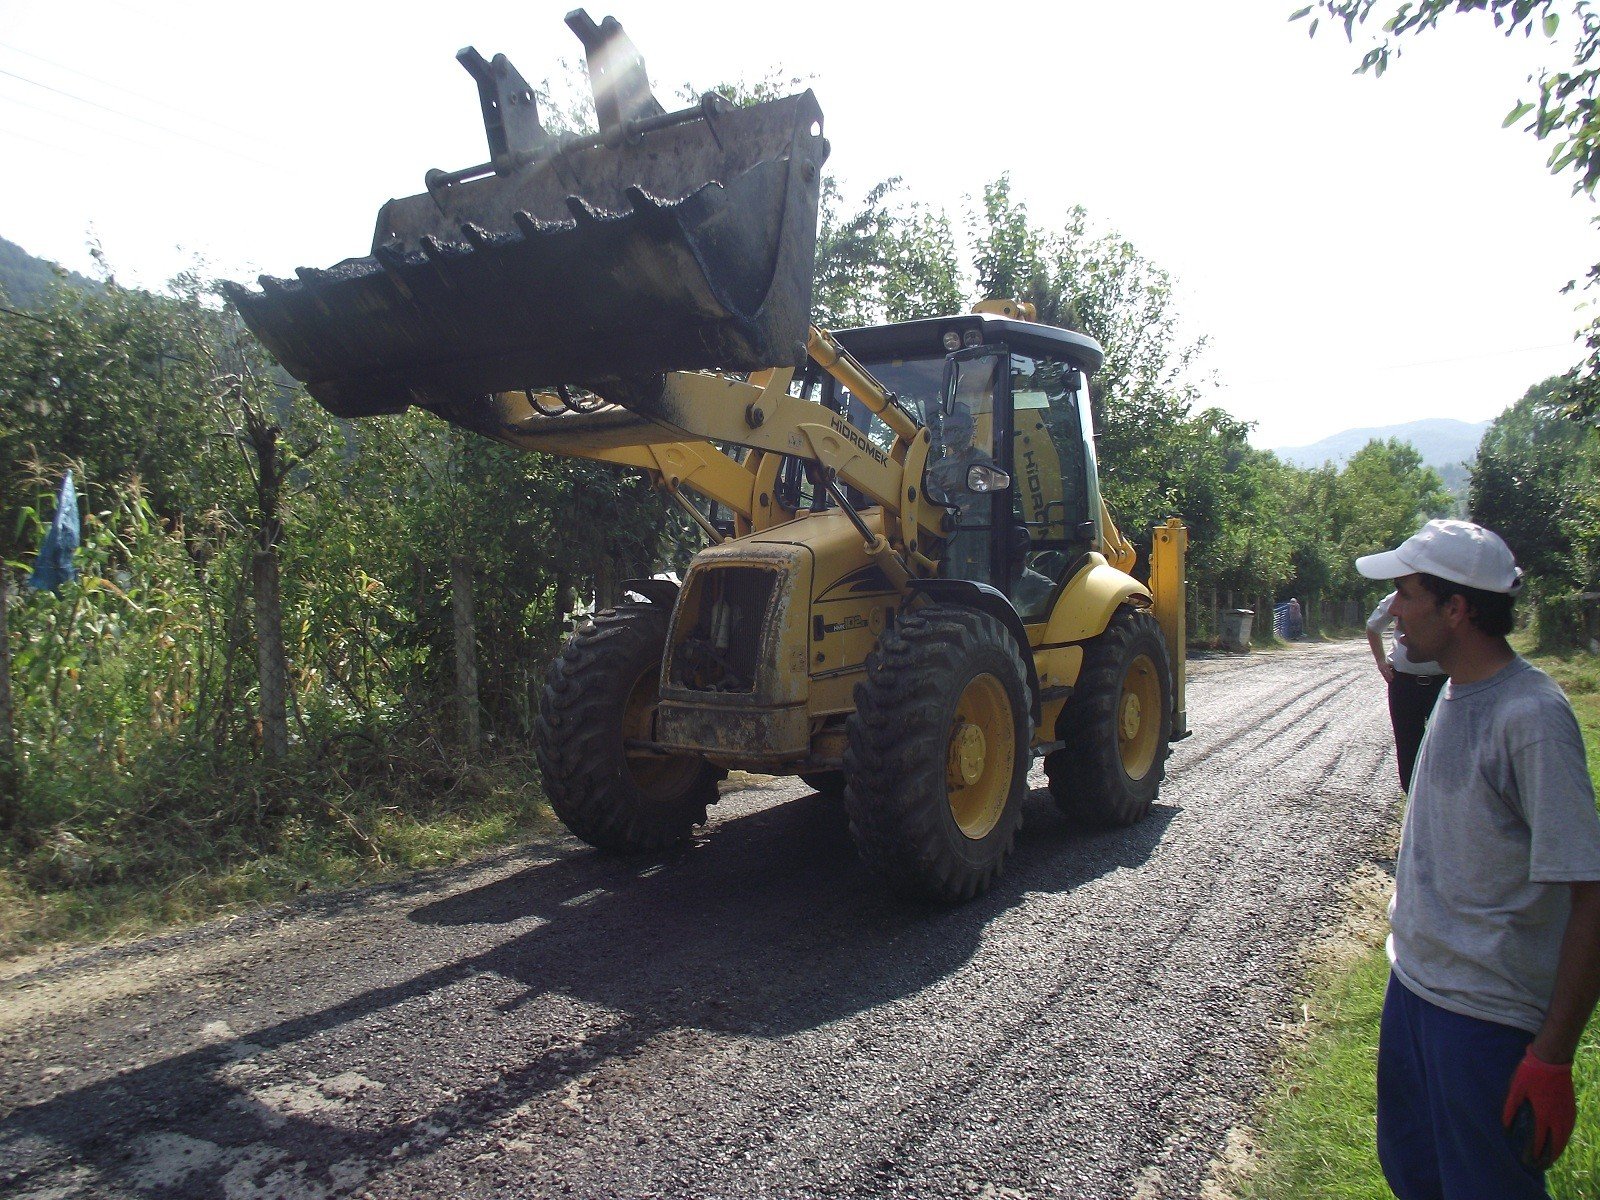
(27, 282)
(1443, 443)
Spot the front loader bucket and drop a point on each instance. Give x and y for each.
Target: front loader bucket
(669, 241)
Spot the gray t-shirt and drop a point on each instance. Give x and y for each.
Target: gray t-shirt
(1501, 818)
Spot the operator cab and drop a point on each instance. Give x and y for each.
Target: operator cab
(1007, 404)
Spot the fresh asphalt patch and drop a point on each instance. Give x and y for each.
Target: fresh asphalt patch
(751, 1016)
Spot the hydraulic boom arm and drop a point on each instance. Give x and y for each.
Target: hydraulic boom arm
(675, 431)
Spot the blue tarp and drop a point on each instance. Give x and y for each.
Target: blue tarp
(53, 566)
(1288, 622)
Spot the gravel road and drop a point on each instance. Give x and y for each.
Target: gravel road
(753, 1017)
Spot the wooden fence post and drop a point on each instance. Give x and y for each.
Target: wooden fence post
(464, 615)
(10, 769)
(270, 658)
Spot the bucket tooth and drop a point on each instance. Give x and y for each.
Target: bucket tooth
(581, 212)
(642, 202)
(391, 256)
(438, 252)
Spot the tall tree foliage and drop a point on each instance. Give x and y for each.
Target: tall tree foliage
(1158, 456)
(108, 380)
(1534, 481)
(888, 260)
(1384, 493)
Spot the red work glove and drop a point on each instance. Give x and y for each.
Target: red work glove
(1546, 1089)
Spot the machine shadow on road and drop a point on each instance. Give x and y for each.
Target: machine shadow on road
(765, 927)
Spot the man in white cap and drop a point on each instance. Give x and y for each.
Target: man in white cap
(1495, 921)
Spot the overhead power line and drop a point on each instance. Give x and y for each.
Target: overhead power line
(148, 99)
(27, 316)
(27, 138)
(61, 116)
(127, 116)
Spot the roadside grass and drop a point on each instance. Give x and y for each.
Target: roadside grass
(203, 842)
(1315, 1127)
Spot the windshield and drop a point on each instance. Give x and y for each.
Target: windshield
(918, 383)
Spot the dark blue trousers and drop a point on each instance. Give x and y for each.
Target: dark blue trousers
(1442, 1083)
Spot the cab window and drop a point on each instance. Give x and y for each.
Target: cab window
(1049, 491)
(964, 437)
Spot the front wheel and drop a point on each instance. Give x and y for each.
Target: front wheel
(1116, 726)
(600, 695)
(938, 754)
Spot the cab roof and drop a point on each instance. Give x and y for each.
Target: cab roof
(925, 338)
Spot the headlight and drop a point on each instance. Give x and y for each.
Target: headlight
(952, 340)
(972, 338)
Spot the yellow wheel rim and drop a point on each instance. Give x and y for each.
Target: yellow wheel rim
(980, 756)
(661, 776)
(1139, 717)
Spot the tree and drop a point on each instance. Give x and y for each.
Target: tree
(1533, 483)
(888, 260)
(1384, 493)
(1305, 501)
(105, 380)
(1099, 284)
(1564, 110)
(1157, 456)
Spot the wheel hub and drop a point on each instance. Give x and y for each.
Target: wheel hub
(1139, 717)
(979, 756)
(1131, 715)
(968, 750)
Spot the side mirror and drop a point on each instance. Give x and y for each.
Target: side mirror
(983, 478)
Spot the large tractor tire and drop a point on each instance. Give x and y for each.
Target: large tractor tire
(937, 763)
(1116, 726)
(600, 692)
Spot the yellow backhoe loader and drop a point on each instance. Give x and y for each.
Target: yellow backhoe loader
(912, 587)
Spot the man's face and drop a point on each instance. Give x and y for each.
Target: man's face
(1420, 625)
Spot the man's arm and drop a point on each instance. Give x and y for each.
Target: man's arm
(1577, 979)
(1543, 1081)
(1375, 640)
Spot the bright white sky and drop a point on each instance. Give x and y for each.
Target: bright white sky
(1356, 251)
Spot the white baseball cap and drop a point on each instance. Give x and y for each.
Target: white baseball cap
(1459, 551)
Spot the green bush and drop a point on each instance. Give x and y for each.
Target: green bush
(1562, 622)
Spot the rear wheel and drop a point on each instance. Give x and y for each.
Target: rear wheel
(938, 756)
(1116, 726)
(600, 694)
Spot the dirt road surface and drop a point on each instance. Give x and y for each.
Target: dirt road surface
(752, 1017)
